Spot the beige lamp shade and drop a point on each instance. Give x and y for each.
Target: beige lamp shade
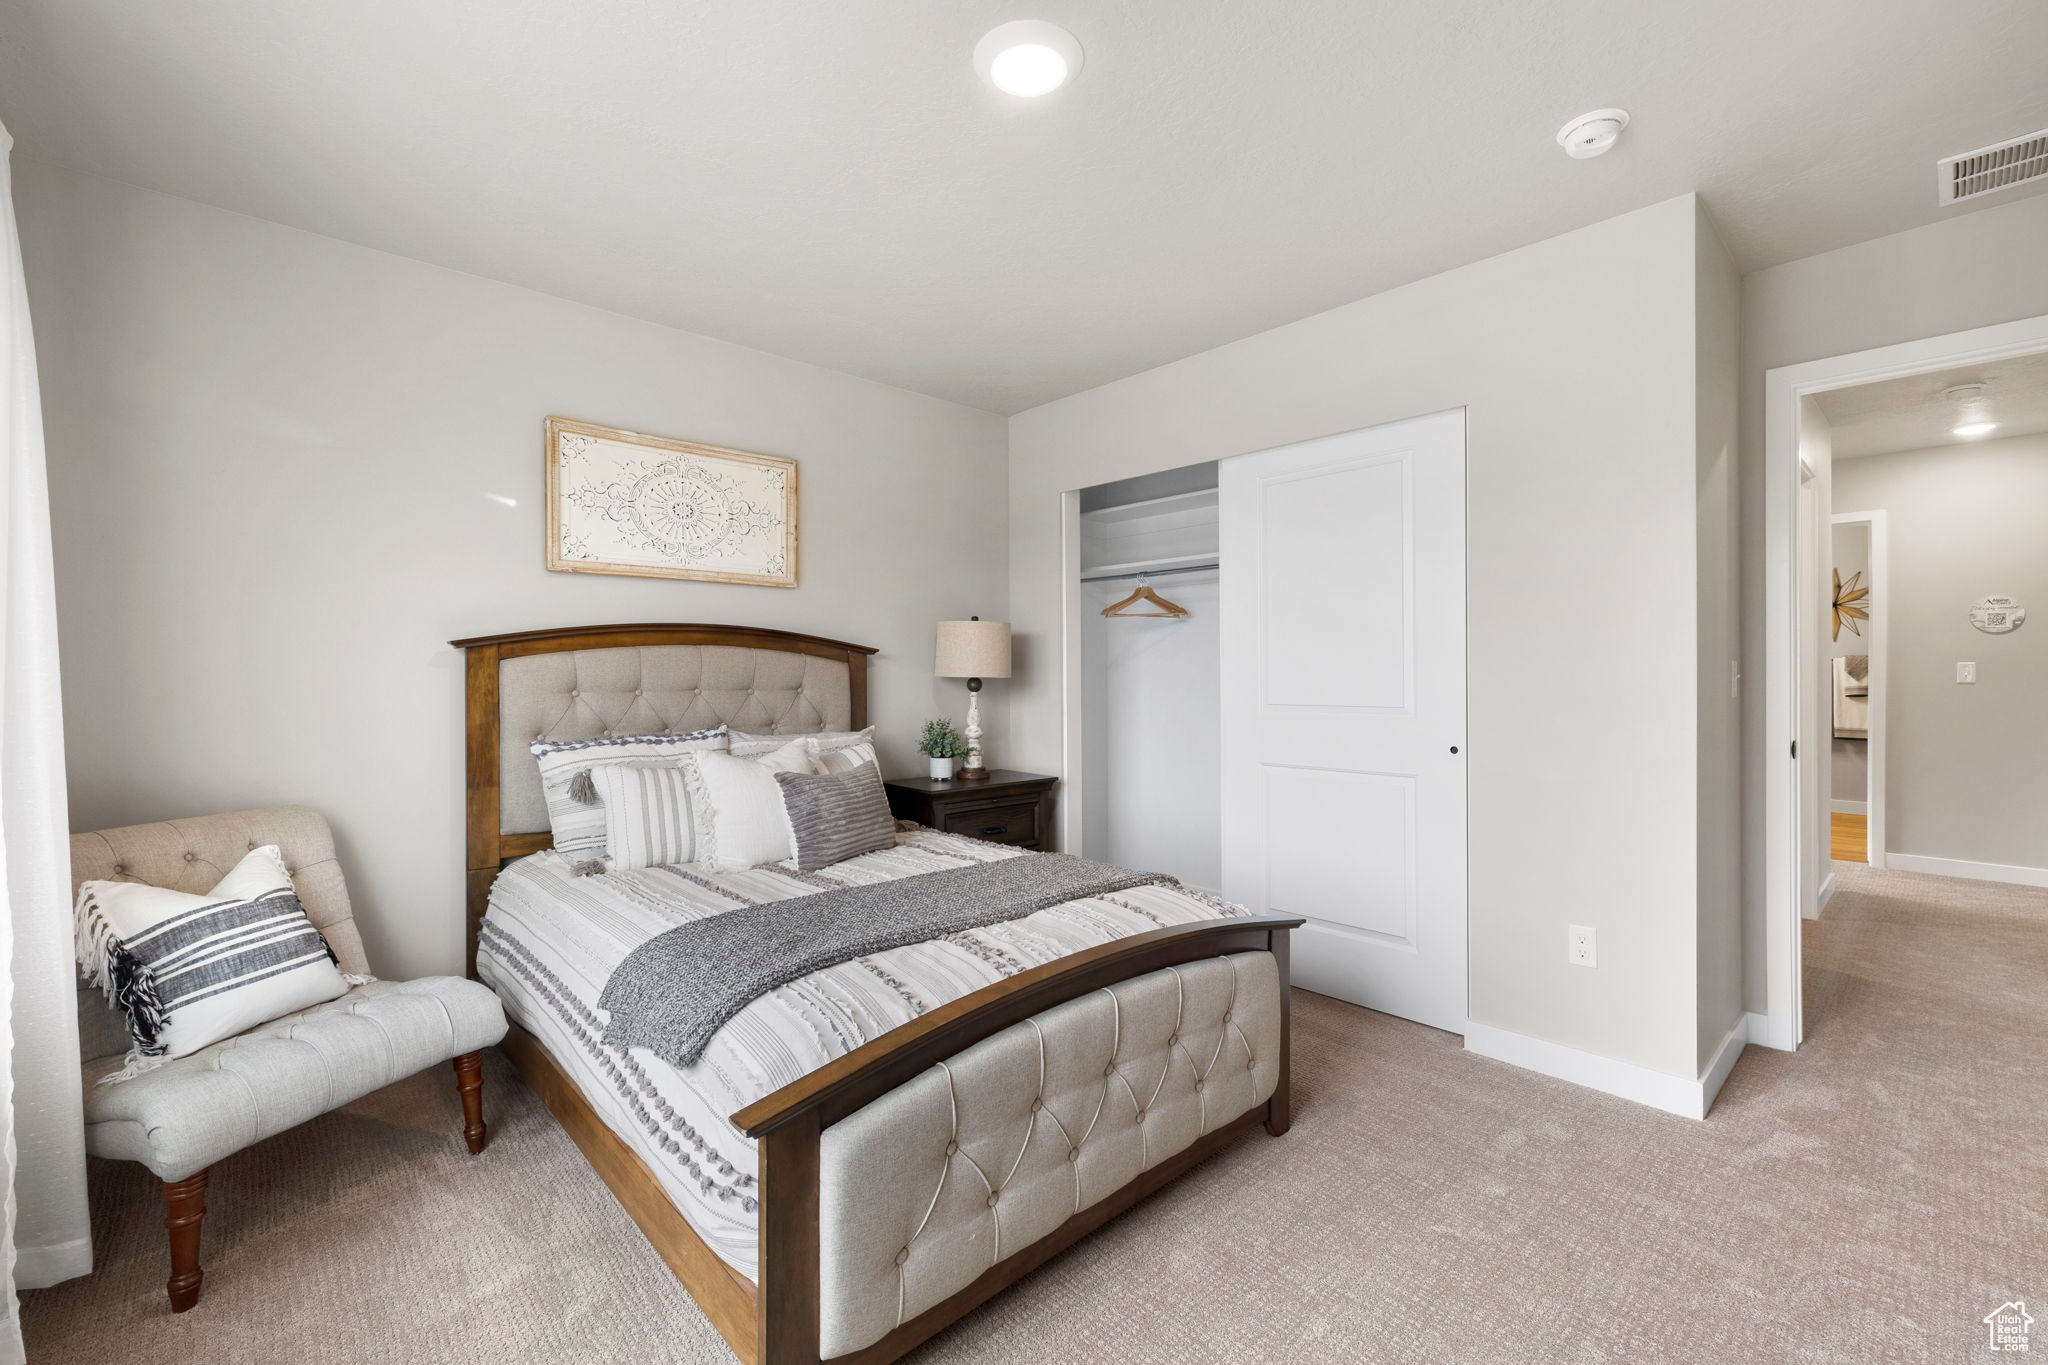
(973, 649)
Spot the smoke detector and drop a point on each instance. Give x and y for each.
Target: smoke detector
(1591, 134)
(1972, 421)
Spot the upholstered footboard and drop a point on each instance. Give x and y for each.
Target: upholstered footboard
(918, 1175)
(930, 1186)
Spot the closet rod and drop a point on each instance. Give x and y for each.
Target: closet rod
(1151, 573)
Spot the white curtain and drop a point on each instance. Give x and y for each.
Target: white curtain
(42, 1136)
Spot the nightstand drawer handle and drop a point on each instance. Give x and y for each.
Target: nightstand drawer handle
(996, 829)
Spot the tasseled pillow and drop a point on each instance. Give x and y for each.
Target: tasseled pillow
(188, 970)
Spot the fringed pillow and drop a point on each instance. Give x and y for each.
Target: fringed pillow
(740, 821)
(574, 812)
(191, 970)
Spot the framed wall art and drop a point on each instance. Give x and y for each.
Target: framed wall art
(623, 503)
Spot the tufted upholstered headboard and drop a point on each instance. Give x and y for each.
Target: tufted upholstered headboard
(586, 682)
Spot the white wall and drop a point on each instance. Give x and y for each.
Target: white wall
(1576, 361)
(1816, 454)
(1155, 770)
(1966, 771)
(1980, 267)
(1717, 303)
(274, 460)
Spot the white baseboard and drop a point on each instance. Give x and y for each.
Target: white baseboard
(1849, 807)
(1822, 896)
(41, 1267)
(1958, 867)
(1687, 1097)
(1722, 1062)
(1761, 1033)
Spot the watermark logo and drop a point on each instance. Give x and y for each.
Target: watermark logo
(2008, 1324)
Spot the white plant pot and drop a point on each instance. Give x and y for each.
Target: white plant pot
(942, 768)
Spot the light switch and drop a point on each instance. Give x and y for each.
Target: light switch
(1966, 673)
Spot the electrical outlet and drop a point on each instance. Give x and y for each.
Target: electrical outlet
(1966, 673)
(1579, 946)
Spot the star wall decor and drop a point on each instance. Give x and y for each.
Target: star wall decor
(1852, 603)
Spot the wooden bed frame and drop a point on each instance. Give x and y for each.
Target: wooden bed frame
(775, 1321)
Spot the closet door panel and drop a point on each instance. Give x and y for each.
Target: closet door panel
(1343, 527)
(1343, 707)
(1340, 848)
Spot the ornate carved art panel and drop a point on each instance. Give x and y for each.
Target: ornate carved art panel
(623, 503)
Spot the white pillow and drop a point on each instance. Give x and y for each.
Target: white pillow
(844, 759)
(573, 810)
(746, 825)
(748, 745)
(191, 970)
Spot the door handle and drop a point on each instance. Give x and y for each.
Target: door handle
(1454, 748)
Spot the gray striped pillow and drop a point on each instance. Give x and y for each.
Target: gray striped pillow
(650, 814)
(190, 970)
(573, 812)
(835, 816)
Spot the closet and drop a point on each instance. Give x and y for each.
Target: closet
(1275, 707)
(1149, 676)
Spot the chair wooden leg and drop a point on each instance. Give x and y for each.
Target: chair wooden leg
(184, 1207)
(469, 1079)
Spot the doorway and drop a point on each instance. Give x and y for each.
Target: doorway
(1857, 688)
(1800, 471)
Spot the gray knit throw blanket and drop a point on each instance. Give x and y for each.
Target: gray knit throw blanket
(673, 992)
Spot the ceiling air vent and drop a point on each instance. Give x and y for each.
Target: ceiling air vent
(2019, 161)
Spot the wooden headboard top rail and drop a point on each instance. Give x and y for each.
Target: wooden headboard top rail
(487, 846)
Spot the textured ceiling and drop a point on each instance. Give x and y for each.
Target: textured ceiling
(1911, 414)
(832, 182)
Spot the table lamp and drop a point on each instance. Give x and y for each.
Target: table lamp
(973, 649)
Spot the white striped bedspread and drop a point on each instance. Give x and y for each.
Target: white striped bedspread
(551, 938)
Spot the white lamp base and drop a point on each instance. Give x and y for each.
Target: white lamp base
(973, 771)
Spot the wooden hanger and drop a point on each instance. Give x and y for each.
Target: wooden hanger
(1167, 610)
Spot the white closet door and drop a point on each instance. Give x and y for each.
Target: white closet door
(1343, 620)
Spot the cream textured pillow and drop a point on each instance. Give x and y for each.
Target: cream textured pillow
(191, 970)
(748, 745)
(845, 759)
(746, 826)
(573, 810)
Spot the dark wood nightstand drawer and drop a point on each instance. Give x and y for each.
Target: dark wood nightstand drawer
(1017, 824)
(1007, 808)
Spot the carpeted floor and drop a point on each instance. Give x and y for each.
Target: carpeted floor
(1867, 1199)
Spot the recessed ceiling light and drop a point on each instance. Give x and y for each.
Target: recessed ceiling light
(1027, 57)
(1972, 429)
(1591, 134)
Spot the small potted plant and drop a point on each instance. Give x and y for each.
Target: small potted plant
(943, 745)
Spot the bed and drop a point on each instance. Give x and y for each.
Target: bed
(867, 1153)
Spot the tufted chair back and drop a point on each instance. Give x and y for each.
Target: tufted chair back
(191, 855)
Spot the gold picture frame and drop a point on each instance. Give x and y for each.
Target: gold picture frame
(623, 502)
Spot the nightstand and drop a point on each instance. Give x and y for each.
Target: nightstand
(1009, 808)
